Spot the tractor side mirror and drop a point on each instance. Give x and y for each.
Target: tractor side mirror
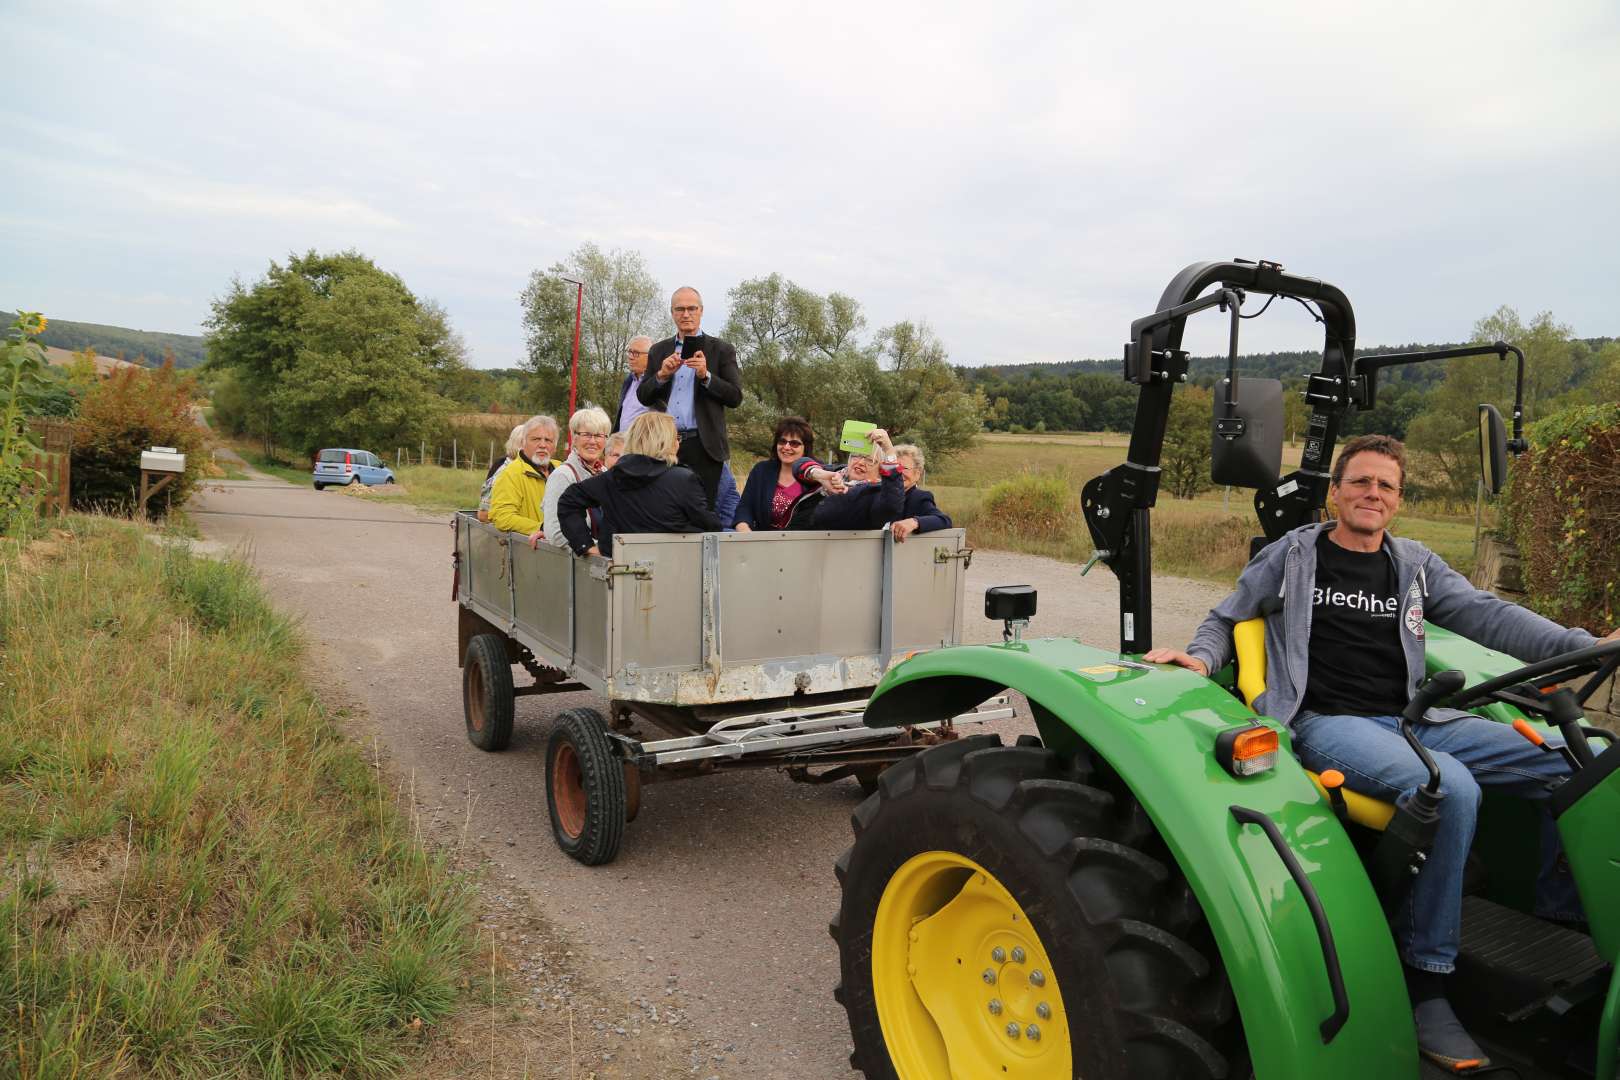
(1492, 449)
(1247, 432)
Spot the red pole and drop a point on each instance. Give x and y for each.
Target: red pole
(573, 378)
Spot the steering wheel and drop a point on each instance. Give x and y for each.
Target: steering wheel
(1524, 687)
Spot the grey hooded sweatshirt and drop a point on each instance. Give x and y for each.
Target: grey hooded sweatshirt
(1278, 583)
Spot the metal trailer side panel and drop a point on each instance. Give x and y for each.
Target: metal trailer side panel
(703, 619)
(541, 578)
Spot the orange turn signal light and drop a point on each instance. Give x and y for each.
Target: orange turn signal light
(1247, 750)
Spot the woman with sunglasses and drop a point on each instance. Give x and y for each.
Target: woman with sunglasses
(778, 485)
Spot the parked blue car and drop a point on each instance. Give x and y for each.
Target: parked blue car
(342, 466)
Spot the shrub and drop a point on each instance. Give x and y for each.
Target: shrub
(129, 411)
(1035, 507)
(1562, 509)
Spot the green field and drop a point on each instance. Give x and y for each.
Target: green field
(1205, 537)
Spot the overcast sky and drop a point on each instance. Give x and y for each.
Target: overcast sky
(1024, 178)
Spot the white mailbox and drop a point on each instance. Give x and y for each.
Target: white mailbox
(163, 459)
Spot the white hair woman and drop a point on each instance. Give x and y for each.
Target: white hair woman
(588, 431)
(517, 502)
(614, 451)
(645, 492)
(514, 443)
(922, 513)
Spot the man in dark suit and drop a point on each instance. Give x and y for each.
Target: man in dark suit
(695, 379)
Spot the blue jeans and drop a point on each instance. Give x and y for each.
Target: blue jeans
(1470, 752)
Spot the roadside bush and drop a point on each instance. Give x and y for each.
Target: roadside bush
(1562, 508)
(1034, 507)
(129, 411)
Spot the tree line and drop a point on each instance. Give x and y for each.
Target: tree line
(801, 352)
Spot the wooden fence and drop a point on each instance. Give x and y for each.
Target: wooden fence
(56, 436)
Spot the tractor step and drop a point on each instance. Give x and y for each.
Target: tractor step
(1524, 963)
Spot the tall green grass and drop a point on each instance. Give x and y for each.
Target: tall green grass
(198, 875)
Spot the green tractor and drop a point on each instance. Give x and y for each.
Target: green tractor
(1154, 886)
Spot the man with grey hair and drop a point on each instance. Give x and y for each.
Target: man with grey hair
(630, 406)
(517, 502)
(695, 379)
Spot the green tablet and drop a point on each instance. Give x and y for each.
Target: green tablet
(856, 437)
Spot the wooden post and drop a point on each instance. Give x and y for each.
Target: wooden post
(424, 452)
(149, 489)
(455, 454)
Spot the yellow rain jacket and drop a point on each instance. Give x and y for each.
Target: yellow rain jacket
(516, 503)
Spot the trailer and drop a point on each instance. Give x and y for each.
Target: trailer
(747, 650)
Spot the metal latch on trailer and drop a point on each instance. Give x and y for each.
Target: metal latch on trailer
(641, 571)
(945, 555)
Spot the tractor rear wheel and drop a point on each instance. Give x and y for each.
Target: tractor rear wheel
(1007, 912)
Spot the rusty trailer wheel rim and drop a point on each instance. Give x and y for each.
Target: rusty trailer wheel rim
(568, 790)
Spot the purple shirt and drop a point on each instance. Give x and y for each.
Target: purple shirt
(632, 406)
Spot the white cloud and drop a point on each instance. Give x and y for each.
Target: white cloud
(1027, 178)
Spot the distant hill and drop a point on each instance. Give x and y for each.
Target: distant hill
(119, 340)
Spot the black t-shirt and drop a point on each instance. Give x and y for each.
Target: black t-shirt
(1357, 666)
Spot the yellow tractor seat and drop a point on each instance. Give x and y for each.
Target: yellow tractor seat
(1249, 639)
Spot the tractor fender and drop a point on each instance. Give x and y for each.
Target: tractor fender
(1156, 727)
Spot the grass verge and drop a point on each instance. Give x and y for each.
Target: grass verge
(200, 876)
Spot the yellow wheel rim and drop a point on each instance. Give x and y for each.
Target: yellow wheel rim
(963, 985)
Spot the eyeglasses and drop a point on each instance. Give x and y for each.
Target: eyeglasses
(1363, 484)
(636, 352)
(590, 435)
(692, 310)
(789, 442)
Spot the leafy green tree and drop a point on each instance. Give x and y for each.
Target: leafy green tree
(363, 374)
(621, 300)
(801, 354)
(278, 337)
(922, 399)
(1187, 455)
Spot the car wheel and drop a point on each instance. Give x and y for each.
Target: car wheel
(319, 486)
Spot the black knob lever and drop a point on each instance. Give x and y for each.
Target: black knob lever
(1442, 684)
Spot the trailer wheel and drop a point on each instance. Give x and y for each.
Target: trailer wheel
(997, 919)
(486, 692)
(585, 788)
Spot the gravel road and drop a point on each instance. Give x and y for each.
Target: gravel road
(719, 901)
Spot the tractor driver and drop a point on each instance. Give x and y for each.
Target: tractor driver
(1364, 595)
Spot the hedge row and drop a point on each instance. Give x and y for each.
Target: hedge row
(1562, 508)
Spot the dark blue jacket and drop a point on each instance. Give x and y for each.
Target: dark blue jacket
(754, 509)
(864, 506)
(872, 506)
(726, 499)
